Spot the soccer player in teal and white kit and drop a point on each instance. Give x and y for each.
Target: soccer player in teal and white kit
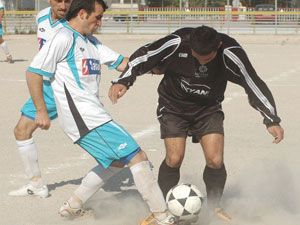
(3, 44)
(49, 21)
(72, 60)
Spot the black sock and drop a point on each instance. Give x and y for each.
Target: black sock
(168, 177)
(214, 180)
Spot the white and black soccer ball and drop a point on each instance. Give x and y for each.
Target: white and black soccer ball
(185, 201)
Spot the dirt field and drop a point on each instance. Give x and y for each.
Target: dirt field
(263, 185)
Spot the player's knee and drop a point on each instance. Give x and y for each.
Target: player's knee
(215, 162)
(22, 132)
(174, 160)
(142, 156)
(18, 132)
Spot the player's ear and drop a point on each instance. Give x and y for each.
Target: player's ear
(82, 14)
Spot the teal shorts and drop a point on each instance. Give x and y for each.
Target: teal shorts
(29, 109)
(1, 30)
(109, 142)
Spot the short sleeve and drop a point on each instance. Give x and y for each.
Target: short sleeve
(53, 52)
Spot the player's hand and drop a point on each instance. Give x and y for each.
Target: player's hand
(157, 71)
(116, 91)
(277, 132)
(42, 120)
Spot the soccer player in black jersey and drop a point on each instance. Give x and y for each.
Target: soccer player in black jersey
(197, 63)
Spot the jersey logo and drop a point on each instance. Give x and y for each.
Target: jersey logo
(122, 146)
(183, 55)
(42, 29)
(41, 42)
(90, 67)
(195, 89)
(202, 72)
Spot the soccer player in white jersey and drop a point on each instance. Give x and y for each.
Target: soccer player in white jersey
(72, 60)
(49, 21)
(3, 44)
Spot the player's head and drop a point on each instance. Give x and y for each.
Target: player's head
(88, 14)
(204, 42)
(59, 8)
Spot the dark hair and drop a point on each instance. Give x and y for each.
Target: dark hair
(87, 5)
(204, 40)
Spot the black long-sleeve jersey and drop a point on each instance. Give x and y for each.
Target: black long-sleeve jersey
(187, 84)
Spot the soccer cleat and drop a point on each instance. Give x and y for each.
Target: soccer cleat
(9, 59)
(67, 211)
(30, 190)
(189, 222)
(222, 215)
(151, 220)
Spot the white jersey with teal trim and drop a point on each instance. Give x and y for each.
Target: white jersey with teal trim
(46, 27)
(1, 5)
(73, 62)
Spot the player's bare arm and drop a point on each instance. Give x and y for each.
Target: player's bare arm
(35, 85)
(123, 64)
(1, 14)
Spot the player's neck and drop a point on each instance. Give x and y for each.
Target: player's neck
(77, 26)
(54, 17)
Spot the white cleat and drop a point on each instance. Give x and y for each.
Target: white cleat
(222, 215)
(67, 211)
(29, 190)
(151, 220)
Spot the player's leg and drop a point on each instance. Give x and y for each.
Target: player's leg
(90, 184)
(28, 152)
(173, 129)
(27, 148)
(98, 143)
(4, 47)
(214, 174)
(169, 170)
(211, 138)
(110, 142)
(148, 187)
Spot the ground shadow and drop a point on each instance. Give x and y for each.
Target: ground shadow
(14, 61)
(121, 180)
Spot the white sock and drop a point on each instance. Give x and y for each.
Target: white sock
(28, 152)
(94, 180)
(148, 187)
(38, 182)
(5, 48)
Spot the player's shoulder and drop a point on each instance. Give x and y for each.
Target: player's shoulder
(43, 14)
(184, 33)
(64, 36)
(94, 40)
(228, 41)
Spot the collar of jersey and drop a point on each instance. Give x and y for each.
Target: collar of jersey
(75, 31)
(56, 22)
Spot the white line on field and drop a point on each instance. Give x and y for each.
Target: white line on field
(12, 80)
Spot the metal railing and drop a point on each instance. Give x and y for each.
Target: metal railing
(152, 21)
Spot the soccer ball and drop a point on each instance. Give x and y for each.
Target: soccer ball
(185, 201)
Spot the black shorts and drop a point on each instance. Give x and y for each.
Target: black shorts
(205, 120)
